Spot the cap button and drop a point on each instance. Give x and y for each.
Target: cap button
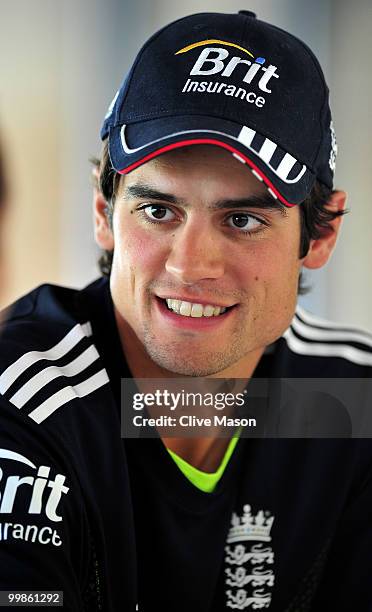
(248, 14)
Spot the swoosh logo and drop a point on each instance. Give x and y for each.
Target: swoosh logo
(212, 41)
(8, 454)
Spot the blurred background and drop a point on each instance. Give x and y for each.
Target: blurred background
(60, 65)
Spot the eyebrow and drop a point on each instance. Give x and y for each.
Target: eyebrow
(145, 191)
(264, 201)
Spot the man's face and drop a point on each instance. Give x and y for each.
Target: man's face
(195, 226)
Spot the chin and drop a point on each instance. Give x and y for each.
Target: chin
(188, 365)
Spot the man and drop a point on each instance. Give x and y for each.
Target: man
(215, 191)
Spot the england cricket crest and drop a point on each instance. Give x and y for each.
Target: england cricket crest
(249, 560)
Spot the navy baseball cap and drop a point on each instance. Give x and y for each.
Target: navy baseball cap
(232, 81)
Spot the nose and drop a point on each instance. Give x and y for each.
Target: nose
(196, 253)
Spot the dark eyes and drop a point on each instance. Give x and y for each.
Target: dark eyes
(242, 221)
(157, 213)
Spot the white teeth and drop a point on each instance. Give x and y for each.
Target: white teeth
(185, 309)
(197, 310)
(208, 311)
(176, 305)
(190, 309)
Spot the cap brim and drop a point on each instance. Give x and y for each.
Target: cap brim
(286, 178)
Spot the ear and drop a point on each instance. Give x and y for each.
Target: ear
(102, 230)
(321, 248)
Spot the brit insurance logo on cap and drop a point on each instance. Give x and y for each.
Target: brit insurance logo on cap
(233, 81)
(218, 60)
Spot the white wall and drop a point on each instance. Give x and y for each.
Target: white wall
(349, 292)
(30, 125)
(60, 64)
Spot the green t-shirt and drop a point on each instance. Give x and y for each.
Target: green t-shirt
(205, 481)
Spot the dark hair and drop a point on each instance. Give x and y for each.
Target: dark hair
(315, 217)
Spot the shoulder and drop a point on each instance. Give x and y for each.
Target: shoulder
(47, 353)
(36, 318)
(327, 348)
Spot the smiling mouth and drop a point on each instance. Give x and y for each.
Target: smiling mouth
(195, 310)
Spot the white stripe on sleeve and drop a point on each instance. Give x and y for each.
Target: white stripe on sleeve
(10, 375)
(67, 394)
(41, 379)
